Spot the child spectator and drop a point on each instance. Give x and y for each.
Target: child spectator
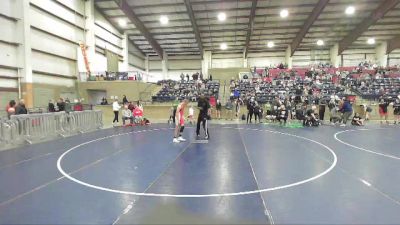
(283, 115)
(357, 121)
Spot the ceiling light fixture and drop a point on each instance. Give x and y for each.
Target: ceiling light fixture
(122, 22)
(371, 41)
(284, 13)
(350, 10)
(320, 42)
(270, 44)
(164, 20)
(223, 46)
(221, 16)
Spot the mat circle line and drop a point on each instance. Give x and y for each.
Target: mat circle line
(73, 179)
(362, 149)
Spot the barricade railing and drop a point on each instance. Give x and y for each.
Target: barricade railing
(35, 127)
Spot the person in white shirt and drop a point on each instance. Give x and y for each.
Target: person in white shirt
(116, 108)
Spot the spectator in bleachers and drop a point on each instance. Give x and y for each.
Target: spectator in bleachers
(126, 115)
(182, 77)
(51, 107)
(187, 77)
(20, 108)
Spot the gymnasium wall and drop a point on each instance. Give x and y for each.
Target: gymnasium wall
(57, 27)
(303, 58)
(394, 57)
(10, 43)
(107, 38)
(353, 56)
(131, 89)
(263, 59)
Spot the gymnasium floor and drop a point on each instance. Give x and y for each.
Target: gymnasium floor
(245, 174)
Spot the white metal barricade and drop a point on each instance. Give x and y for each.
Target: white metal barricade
(36, 127)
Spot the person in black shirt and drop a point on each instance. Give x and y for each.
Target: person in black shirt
(204, 106)
(218, 108)
(396, 112)
(250, 109)
(383, 110)
(51, 106)
(124, 100)
(257, 112)
(20, 108)
(357, 121)
(61, 105)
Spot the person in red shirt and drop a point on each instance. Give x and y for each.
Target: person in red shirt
(180, 118)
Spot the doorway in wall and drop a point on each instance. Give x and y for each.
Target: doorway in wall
(95, 96)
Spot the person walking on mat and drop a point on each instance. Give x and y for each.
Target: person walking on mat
(180, 119)
(204, 115)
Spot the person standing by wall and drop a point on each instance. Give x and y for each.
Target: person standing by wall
(116, 108)
(51, 107)
(124, 100)
(20, 108)
(61, 105)
(218, 108)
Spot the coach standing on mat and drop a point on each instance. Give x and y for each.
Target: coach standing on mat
(204, 106)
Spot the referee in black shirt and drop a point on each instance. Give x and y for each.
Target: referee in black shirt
(204, 106)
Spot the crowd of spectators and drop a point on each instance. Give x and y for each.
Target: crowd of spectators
(186, 88)
(289, 95)
(112, 76)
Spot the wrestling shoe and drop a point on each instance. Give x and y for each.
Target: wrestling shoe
(181, 139)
